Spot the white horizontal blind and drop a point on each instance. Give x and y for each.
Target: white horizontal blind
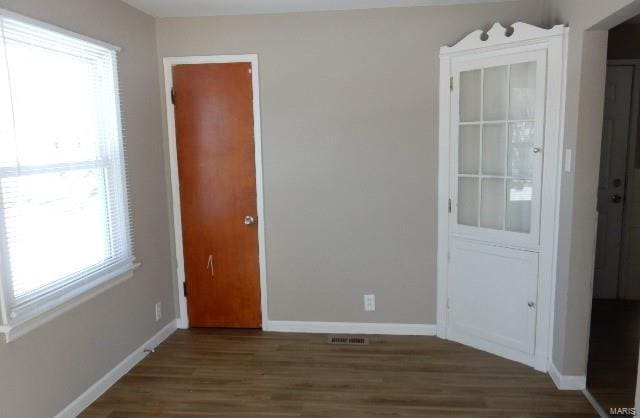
(64, 217)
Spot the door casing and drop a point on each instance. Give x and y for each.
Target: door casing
(169, 62)
(524, 38)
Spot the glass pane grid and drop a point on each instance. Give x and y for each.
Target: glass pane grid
(495, 189)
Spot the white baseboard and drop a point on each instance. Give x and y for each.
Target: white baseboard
(596, 405)
(564, 382)
(350, 328)
(97, 389)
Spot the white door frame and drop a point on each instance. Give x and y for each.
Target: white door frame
(524, 38)
(169, 63)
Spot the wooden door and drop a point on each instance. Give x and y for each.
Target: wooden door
(497, 125)
(613, 173)
(216, 165)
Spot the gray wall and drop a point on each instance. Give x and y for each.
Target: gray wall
(48, 368)
(350, 139)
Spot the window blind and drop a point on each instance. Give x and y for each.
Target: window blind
(64, 216)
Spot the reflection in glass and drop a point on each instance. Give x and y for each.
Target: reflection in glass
(520, 152)
(519, 196)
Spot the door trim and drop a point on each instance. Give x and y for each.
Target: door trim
(169, 62)
(524, 37)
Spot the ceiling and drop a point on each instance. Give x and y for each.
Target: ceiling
(190, 8)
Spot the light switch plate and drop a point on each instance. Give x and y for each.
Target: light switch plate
(370, 303)
(567, 160)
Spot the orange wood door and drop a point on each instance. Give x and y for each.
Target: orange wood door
(213, 106)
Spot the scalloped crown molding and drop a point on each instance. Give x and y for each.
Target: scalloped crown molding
(498, 35)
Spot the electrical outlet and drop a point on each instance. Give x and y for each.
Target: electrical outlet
(369, 302)
(158, 311)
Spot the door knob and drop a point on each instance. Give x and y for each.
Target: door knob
(616, 198)
(249, 220)
(531, 304)
(536, 150)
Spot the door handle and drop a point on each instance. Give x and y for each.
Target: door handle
(531, 304)
(249, 220)
(616, 198)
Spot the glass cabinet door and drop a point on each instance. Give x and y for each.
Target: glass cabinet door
(498, 160)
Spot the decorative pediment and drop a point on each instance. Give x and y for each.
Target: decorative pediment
(498, 35)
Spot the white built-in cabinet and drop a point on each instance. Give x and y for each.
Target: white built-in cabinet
(500, 152)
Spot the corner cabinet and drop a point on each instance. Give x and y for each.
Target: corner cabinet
(501, 100)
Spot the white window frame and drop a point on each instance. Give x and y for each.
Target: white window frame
(86, 287)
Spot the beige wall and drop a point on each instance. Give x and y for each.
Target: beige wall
(46, 369)
(350, 139)
(349, 108)
(589, 21)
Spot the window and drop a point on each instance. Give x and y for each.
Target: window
(64, 221)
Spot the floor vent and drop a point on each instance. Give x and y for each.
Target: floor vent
(348, 339)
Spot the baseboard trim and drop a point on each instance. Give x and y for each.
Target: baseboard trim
(564, 382)
(350, 328)
(596, 405)
(101, 386)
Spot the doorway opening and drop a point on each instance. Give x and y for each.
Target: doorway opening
(615, 318)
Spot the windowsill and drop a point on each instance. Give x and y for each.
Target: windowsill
(20, 327)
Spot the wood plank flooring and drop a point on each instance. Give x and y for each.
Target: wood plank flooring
(613, 352)
(241, 373)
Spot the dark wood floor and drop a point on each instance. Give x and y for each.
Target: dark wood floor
(613, 352)
(227, 373)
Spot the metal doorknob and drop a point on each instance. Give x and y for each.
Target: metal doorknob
(531, 304)
(536, 150)
(616, 198)
(249, 220)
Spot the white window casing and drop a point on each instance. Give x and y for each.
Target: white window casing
(65, 229)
